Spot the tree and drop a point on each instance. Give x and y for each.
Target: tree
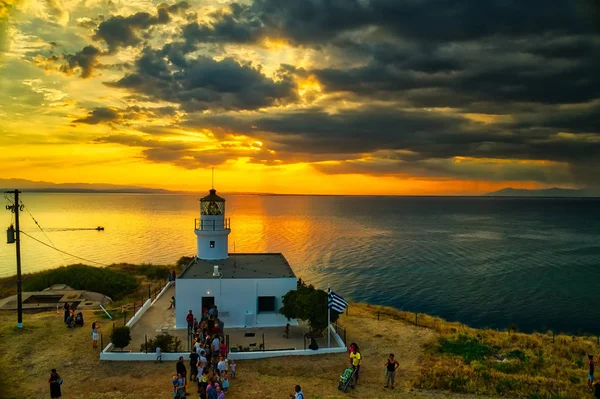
(309, 304)
(121, 337)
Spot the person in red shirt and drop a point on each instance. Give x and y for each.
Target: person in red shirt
(223, 348)
(190, 321)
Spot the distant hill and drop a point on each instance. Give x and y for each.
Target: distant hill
(47, 187)
(547, 192)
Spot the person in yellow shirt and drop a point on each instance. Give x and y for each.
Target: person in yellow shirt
(355, 359)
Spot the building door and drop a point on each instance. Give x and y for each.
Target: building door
(208, 302)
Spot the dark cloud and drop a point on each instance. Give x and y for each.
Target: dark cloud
(184, 154)
(84, 61)
(490, 170)
(432, 21)
(100, 115)
(112, 115)
(421, 142)
(581, 118)
(203, 83)
(494, 71)
(533, 64)
(119, 31)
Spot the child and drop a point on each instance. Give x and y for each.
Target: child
(286, 331)
(203, 383)
(158, 355)
(225, 384)
(175, 386)
(232, 369)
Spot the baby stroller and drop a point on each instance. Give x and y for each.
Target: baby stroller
(346, 379)
(79, 319)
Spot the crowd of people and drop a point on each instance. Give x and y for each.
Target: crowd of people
(209, 367)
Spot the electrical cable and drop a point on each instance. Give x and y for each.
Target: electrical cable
(64, 252)
(42, 230)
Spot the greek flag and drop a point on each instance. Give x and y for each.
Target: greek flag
(336, 302)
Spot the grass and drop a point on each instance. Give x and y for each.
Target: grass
(45, 343)
(506, 363)
(437, 359)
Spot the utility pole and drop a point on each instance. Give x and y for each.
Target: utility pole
(15, 209)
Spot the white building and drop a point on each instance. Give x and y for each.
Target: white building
(247, 288)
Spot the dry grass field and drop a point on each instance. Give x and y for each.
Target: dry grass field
(27, 356)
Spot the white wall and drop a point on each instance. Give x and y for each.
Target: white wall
(220, 250)
(234, 296)
(138, 356)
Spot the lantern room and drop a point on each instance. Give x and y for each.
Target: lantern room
(212, 228)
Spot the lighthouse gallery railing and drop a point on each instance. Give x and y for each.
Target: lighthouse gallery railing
(212, 224)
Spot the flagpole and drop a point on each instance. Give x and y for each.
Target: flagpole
(328, 318)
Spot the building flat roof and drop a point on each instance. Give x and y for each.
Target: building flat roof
(244, 265)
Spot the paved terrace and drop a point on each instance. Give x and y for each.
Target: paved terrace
(159, 319)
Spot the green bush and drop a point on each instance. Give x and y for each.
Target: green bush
(307, 303)
(183, 262)
(466, 346)
(574, 380)
(513, 367)
(517, 354)
(103, 280)
(121, 337)
(166, 343)
(507, 385)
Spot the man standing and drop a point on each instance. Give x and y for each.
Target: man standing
(190, 321)
(390, 371)
(591, 364)
(67, 309)
(180, 368)
(215, 346)
(193, 365)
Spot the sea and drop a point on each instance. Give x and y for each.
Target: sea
(486, 262)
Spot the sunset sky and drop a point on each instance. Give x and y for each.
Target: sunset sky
(312, 96)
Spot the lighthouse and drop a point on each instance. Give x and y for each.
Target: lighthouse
(247, 288)
(212, 229)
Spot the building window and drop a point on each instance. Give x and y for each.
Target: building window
(212, 244)
(266, 304)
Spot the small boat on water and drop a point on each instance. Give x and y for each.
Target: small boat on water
(100, 228)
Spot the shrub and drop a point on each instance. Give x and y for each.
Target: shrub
(81, 277)
(510, 367)
(152, 272)
(166, 343)
(183, 261)
(466, 346)
(121, 337)
(507, 385)
(517, 354)
(574, 380)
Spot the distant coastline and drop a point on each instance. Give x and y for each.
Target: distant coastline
(29, 186)
(553, 192)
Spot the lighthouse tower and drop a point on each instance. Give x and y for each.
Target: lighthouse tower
(212, 229)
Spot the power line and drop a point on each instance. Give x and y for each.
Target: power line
(59, 250)
(42, 230)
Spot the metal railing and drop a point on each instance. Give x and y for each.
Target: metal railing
(213, 225)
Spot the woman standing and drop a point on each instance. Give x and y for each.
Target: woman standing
(55, 380)
(95, 327)
(355, 359)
